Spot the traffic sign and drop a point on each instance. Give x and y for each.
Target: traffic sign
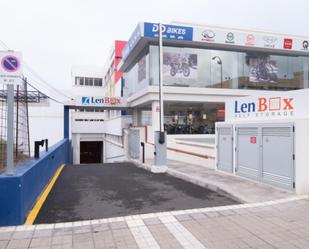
(10, 67)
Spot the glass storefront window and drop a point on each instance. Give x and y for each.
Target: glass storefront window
(191, 67)
(205, 68)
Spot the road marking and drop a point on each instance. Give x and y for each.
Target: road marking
(36, 209)
(184, 237)
(141, 234)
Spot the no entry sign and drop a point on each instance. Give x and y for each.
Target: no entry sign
(10, 67)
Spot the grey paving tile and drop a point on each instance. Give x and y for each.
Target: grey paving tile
(82, 238)
(151, 221)
(183, 217)
(18, 244)
(43, 233)
(82, 229)
(198, 216)
(62, 240)
(63, 231)
(61, 246)
(84, 245)
(212, 214)
(118, 225)
(5, 235)
(40, 242)
(3, 243)
(100, 227)
(22, 235)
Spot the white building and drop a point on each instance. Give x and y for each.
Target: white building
(87, 124)
(203, 67)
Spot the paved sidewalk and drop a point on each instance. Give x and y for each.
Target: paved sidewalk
(242, 189)
(276, 224)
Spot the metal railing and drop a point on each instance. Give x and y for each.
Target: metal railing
(21, 125)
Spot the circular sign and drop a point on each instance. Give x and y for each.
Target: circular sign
(305, 45)
(230, 36)
(10, 63)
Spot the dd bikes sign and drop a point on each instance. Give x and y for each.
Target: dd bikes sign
(10, 67)
(274, 106)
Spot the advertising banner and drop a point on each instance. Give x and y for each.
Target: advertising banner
(171, 32)
(10, 67)
(262, 69)
(180, 65)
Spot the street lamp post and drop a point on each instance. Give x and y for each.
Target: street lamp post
(160, 136)
(219, 61)
(161, 80)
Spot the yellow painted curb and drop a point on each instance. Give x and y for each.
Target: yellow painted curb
(36, 209)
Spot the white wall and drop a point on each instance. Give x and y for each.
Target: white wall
(113, 152)
(302, 156)
(45, 121)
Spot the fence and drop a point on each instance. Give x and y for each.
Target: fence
(21, 125)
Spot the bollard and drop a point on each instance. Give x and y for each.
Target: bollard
(143, 154)
(37, 145)
(46, 144)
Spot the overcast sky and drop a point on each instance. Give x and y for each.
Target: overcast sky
(53, 35)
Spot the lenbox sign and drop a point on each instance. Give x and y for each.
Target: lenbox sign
(101, 101)
(281, 105)
(265, 107)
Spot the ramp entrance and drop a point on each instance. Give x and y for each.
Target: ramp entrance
(91, 152)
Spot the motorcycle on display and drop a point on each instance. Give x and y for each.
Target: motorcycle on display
(182, 67)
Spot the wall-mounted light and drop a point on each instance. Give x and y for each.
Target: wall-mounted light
(204, 116)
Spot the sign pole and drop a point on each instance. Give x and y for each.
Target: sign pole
(10, 130)
(161, 79)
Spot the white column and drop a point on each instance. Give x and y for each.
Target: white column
(155, 115)
(135, 117)
(76, 148)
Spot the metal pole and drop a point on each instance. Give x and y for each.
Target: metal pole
(17, 100)
(10, 130)
(27, 111)
(161, 78)
(221, 74)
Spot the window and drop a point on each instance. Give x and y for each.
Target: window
(87, 81)
(97, 82)
(79, 81)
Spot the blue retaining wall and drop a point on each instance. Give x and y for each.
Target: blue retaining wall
(19, 193)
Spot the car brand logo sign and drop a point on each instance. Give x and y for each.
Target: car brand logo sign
(305, 45)
(250, 40)
(270, 41)
(287, 43)
(208, 35)
(230, 38)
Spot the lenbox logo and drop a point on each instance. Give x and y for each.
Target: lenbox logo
(85, 100)
(100, 101)
(275, 106)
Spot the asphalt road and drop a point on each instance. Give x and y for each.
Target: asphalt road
(84, 192)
